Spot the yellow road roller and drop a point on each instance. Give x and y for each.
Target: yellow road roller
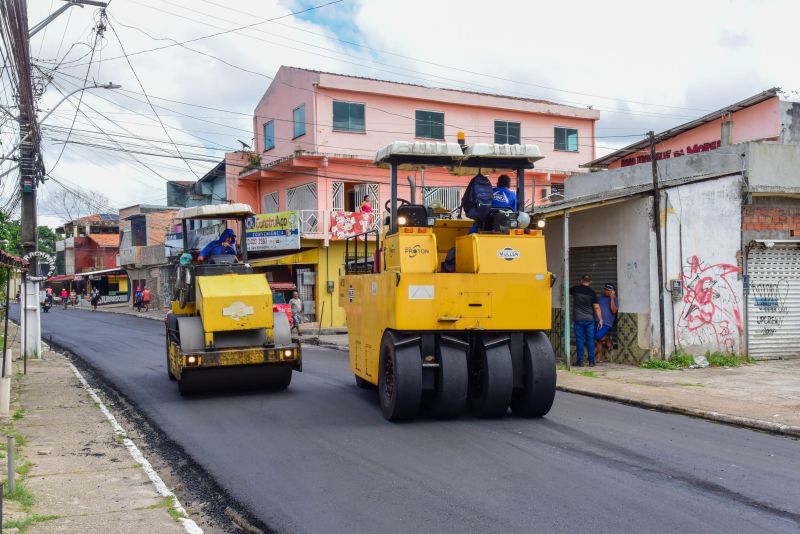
(221, 332)
(440, 336)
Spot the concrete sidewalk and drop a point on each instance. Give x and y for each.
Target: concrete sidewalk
(77, 470)
(764, 396)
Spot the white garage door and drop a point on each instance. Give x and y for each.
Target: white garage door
(773, 302)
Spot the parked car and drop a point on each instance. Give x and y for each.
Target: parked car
(279, 304)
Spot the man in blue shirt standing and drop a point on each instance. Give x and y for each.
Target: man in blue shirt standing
(609, 306)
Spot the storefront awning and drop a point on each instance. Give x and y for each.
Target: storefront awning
(305, 256)
(66, 278)
(102, 271)
(282, 286)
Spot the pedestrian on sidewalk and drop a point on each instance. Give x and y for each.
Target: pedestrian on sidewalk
(138, 298)
(64, 297)
(146, 299)
(609, 306)
(95, 298)
(297, 312)
(73, 297)
(585, 308)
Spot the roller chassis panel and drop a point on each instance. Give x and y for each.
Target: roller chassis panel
(443, 303)
(234, 358)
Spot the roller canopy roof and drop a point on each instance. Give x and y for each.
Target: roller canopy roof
(216, 211)
(450, 154)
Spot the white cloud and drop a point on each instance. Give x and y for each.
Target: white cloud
(696, 55)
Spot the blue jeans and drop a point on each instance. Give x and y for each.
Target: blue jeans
(584, 333)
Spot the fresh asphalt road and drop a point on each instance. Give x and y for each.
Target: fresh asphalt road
(319, 457)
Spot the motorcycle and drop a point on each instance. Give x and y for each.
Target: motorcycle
(46, 305)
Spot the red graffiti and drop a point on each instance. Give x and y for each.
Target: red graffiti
(711, 306)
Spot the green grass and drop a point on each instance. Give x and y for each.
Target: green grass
(682, 360)
(23, 524)
(592, 374)
(21, 494)
(23, 469)
(690, 385)
(721, 359)
(18, 414)
(166, 502)
(661, 365)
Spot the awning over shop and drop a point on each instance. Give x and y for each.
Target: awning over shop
(102, 271)
(306, 256)
(66, 278)
(282, 286)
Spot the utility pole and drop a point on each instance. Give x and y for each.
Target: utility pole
(659, 253)
(31, 167)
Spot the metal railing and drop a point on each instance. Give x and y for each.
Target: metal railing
(361, 261)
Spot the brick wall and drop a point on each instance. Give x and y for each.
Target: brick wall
(772, 219)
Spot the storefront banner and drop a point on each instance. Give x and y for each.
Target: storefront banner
(273, 231)
(346, 224)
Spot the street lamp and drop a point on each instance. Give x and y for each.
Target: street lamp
(109, 85)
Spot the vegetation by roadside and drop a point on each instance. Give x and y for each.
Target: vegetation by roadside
(682, 360)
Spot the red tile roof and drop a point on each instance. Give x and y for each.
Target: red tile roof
(105, 240)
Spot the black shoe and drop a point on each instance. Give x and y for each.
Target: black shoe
(578, 364)
(591, 364)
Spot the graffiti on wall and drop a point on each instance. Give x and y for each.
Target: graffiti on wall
(710, 316)
(769, 300)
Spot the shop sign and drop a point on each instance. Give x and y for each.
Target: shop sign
(45, 263)
(273, 231)
(198, 238)
(667, 154)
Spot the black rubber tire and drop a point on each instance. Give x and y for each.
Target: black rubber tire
(185, 386)
(536, 398)
(452, 381)
(280, 376)
(399, 379)
(491, 379)
(170, 323)
(363, 384)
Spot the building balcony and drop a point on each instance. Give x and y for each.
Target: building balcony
(334, 225)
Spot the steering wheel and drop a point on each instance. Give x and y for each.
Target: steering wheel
(402, 202)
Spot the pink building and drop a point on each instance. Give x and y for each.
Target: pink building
(758, 118)
(317, 133)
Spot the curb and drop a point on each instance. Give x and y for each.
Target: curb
(188, 524)
(315, 341)
(734, 420)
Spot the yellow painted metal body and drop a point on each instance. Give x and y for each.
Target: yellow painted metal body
(228, 303)
(501, 283)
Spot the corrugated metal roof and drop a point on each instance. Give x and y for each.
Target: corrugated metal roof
(673, 132)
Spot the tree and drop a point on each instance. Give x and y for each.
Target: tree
(70, 203)
(47, 240)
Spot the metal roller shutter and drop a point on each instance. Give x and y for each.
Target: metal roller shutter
(773, 302)
(599, 262)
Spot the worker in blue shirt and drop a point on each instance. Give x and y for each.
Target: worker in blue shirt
(502, 197)
(226, 244)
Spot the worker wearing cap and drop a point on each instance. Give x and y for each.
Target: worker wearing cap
(585, 308)
(609, 306)
(226, 244)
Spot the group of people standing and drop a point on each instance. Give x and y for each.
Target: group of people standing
(71, 297)
(593, 319)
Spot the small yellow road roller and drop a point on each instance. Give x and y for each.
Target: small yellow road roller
(441, 340)
(221, 332)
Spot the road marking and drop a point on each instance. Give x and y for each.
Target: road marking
(162, 489)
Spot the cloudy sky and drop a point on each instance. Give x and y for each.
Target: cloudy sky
(182, 106)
